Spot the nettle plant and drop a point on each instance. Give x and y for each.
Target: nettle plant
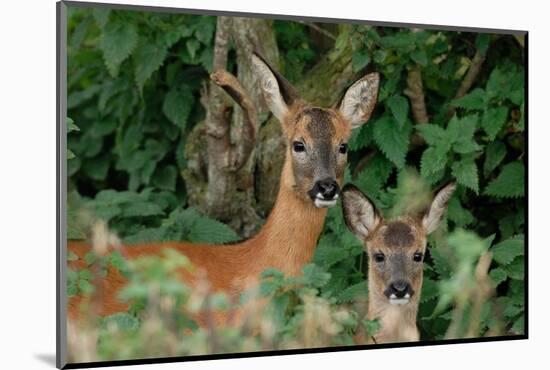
(451, 105)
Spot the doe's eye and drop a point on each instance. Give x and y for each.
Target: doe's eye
(418, 257)
(343, 148)
(298, 147)
(379, 257)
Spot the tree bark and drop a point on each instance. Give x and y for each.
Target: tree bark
(242, 197)
(218, 184)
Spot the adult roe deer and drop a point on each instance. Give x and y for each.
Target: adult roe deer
(396, 250)
(315, 160)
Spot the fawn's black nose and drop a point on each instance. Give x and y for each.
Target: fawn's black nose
(399, 288)
(327, 188)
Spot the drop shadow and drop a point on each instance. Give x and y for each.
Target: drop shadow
(47, 358)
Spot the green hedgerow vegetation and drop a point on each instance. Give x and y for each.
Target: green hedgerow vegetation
(134, 85)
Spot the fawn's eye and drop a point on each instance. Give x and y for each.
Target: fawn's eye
(418, 257)
(379, 257)
(343, 148)
(298, 147)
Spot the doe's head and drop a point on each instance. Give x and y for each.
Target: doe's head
(396, 247)
(317, 138)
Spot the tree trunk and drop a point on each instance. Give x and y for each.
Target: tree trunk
(243, 197)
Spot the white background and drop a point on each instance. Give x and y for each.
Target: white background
(27, 193)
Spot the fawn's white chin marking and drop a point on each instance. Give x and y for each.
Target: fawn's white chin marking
(399, 301)
(320, 201)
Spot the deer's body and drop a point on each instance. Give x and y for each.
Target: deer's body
(396, 250)
(312, 173)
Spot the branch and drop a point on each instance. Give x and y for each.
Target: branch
(469, 79)
(240, 152)
(415, 93)
(318, 29)
(471, 75)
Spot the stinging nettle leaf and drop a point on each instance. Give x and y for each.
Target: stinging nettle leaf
(510, 183)
(118, 41)
(465, 172)
(494, 154)
(177, 106)
(147, 59)
(475, 100)
(392, 140)
(399, 107)
(506, 251)
(493, 120)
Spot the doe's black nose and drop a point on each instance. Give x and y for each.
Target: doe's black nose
(328, 188)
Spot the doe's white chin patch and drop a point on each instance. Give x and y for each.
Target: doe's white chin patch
(321, 203)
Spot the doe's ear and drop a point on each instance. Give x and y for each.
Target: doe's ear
(360, 215)
(432, 218)
(359, 100)
(278, 93)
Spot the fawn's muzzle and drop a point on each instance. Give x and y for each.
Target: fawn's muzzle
(325, 193)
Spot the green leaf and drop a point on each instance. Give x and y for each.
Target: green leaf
(493, 120)
(498, 275)
(165, 178)
(475, 100)
(147, 59)
(432, 134)
(432, 163)
(360, 59)
(177, 105)
(353, 292)
(465, 172)
(430, 290)
(509, 183)
(71, 126)
(141, 209)
(506, 251)
(204, 29)
(420, 57)
(466, 146)
(399, 107)
(207, 230)
(374, 175)
(458, 214)
(462, 129)
(121, 321)
(518, 327)
(392, 140)
(494, 154)
(516, 269)
(315, 275)
(482, 42)
(118, 41)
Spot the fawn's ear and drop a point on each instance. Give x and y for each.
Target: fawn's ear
(360, 215)
(359, 100)
(433, 216)
(278, 93)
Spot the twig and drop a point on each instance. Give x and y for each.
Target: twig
(469, 79)
(318, 29)
(241, 152)
(415, 92)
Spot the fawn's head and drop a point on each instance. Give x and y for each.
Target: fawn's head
(395, 247)
(317, 138)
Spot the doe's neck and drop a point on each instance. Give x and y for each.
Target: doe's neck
(289, 237)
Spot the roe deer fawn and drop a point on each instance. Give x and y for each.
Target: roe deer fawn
(315, 159)
(395, 251)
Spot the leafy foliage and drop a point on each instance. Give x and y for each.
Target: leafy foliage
(134, 82)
